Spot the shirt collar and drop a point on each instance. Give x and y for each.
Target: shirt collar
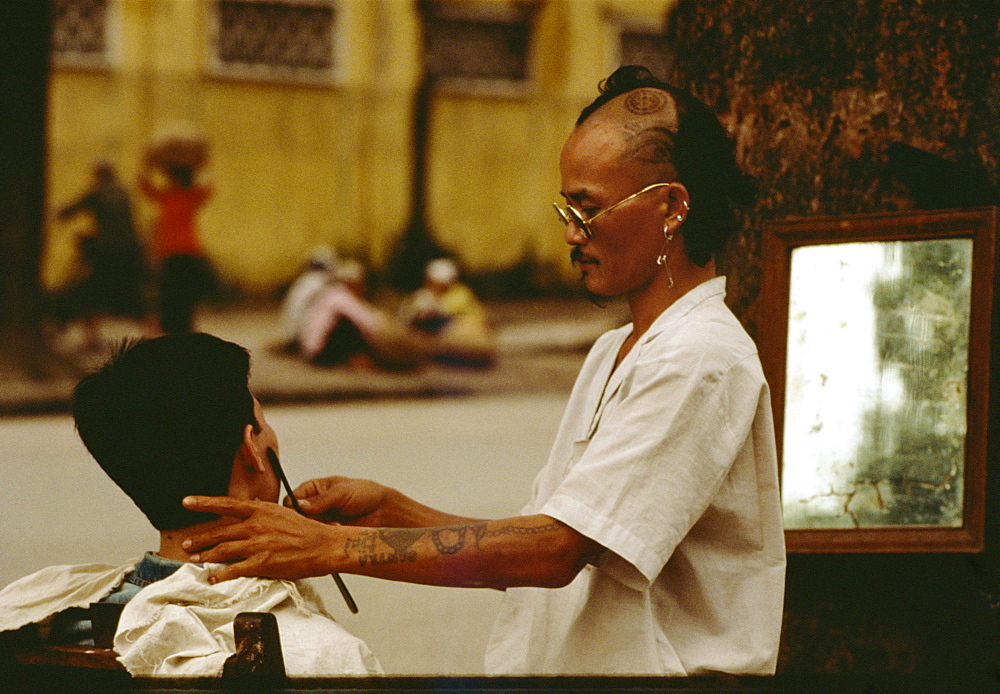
(709, 289)
(155, 568)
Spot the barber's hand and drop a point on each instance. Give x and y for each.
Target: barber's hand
(266, 540)
(343, 500)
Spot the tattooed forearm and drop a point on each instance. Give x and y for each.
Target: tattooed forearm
(382, 546)
(448, 540)
(483, 530)
(391, 545)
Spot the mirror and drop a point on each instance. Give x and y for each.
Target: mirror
(875, 342)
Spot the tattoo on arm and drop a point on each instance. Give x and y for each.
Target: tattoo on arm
(391, 545)
(367, 550)
(448, 540)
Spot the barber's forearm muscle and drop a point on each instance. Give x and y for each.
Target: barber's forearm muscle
(267, 540)
(523, 551)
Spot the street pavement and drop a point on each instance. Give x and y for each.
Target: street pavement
(540, 342)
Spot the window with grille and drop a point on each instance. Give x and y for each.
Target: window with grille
(478, 45)
(262, 39)
(79, 33)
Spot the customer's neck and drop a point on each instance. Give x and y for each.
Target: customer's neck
(170, 540)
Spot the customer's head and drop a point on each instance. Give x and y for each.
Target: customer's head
(667, 135)
(173, 416)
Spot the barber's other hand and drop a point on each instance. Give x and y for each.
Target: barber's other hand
(266, 540)
(343, 500)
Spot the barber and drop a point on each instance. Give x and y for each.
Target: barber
(652, 543)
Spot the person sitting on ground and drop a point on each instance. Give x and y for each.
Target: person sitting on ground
(166, 418)
(342, 326)
(319, 270)
(450, 312)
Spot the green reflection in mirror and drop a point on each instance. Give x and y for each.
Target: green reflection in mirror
(875, 393)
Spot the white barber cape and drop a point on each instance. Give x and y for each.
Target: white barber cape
(669, 463)
(182, 626)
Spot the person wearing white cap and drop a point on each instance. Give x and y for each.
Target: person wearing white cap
(450, 313)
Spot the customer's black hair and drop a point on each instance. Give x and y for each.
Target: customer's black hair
(164, 418)
(701, 154)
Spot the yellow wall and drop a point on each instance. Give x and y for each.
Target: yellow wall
(295, 165)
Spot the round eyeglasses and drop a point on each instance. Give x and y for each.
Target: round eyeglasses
(571, 214)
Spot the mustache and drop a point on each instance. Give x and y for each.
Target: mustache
(576, 255)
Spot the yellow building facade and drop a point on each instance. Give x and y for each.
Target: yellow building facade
(322, 154)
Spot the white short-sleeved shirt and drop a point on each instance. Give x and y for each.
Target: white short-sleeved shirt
(669, 463)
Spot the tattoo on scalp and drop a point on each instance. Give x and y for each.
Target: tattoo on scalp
(652, 145)
(645, 101)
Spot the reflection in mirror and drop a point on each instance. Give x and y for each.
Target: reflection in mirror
(876, 384)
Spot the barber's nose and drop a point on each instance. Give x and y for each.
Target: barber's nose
(573, 234)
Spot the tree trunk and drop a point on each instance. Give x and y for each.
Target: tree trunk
(24, 70)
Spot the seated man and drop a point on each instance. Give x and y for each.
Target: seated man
(166, 418)
(450, 314)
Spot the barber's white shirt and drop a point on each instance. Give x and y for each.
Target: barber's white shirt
(668, 463)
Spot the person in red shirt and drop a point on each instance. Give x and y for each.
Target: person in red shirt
(185, 275)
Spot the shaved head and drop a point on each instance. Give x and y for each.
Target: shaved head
(645, 123)
(664, 134)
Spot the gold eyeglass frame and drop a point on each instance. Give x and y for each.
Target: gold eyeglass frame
(571, 214)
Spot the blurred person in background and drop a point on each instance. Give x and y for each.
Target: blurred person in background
(185, 275)
(340, 325)
(318, 271)
(117, 273)
(449, 312)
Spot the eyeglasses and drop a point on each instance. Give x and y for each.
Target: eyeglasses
(571, 214)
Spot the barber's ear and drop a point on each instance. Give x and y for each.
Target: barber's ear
(679, 200)
(252, 453)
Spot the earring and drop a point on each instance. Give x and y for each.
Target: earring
(661, 259)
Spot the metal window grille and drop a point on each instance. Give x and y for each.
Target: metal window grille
(477, 41)
(79, 31)
(275, 39)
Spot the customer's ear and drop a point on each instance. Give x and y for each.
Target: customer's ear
(249, 464)
(250, 449)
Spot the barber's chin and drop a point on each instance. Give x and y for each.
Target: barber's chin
(594, 289)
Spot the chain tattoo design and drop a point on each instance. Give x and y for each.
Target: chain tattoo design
(369, 548)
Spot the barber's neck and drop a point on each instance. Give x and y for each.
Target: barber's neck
(646, 306)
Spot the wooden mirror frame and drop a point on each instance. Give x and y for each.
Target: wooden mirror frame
(779, 239)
